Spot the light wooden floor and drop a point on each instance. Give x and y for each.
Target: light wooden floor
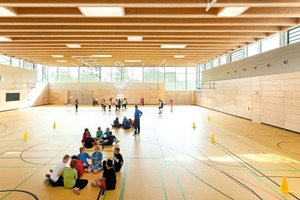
(170, 160)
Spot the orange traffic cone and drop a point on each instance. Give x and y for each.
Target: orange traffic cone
(212, 138)
(284, 186)
(25, 136)
(194, 125)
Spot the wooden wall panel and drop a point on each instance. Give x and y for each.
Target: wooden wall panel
(273, 99)
(59, 97)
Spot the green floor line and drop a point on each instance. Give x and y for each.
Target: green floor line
(104, 196)
(162, 181)
(254, 175)
(34, 173)
(125, 174)
(178, 183)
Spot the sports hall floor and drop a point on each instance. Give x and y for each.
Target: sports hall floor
(169, 160)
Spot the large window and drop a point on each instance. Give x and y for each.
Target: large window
(294, 35)
(132, 74)
(15, 62)
(68, 74)
(270, 43)
(52, 72)
(151, 74)
(4, 60)
(253, 49)
(89, 74)
(170, 78)
(39, 69)
(223, 60)
(238, 55)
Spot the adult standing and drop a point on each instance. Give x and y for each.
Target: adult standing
(136, 123)
(160, 106)
(76, 105)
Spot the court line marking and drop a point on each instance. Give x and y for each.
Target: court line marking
(162, 181)
(23, 191)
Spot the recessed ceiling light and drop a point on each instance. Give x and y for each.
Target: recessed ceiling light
(73, 45)
(57, 56)
(135, 61)
(179, 56)
(135, 38)
(102, 56)
(5, 39)
(7, 12)
(173, 46)
(102, 11)
(232, 11)
(62, 61)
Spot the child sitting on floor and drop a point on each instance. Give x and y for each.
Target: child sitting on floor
(83, 156)
(89, 141)
(118, 160)
(55, 177)
(96, 164)
(79, 167)
(99, 133)
(70, 178)
(116, 124)
(108, 180)
(110, 140)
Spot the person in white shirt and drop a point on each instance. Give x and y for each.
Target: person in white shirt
(55, 178)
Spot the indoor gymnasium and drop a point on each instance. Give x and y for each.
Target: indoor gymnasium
(149, 100)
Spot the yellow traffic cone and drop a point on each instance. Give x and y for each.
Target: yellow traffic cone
(208, 118)
(212, 138)
(25, 136)
(284, 186)
(194, 125)
(54, 125)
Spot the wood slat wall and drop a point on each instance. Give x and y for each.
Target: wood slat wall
(277, 101)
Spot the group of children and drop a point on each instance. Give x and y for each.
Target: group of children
(161, 106)
(70, 177)
(119, 103)
(104, 139)
(126, 123)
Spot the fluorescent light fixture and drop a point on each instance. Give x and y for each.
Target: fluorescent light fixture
(62, 61)
(173, 46)
(102, 11)
(57, 56)
(5, 39)
(179, 56)
(133, 61)
(102, 56)
(135, 38)
(7, 12)
(73, 45)
(232, 11)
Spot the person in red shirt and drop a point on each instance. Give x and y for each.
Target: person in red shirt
(85, 133)
(79, 167)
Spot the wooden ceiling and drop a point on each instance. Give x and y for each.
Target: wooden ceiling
(43, 27)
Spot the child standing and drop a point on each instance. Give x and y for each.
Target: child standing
(97, 158)
(108, 180)
(171, 105)
(70, 178)
(83, 156)
(76, 105)
(55, 177)
(118, 160)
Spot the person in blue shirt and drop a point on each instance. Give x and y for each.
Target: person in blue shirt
(136, 124)
(96, 164)
(83, 156)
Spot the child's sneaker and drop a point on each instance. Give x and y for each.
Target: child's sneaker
(47, 181)
(94, 185)
(76, 191)
(117, 141)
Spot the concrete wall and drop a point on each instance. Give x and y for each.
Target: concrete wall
(268, 63)
(272, 99)
(23, 81)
